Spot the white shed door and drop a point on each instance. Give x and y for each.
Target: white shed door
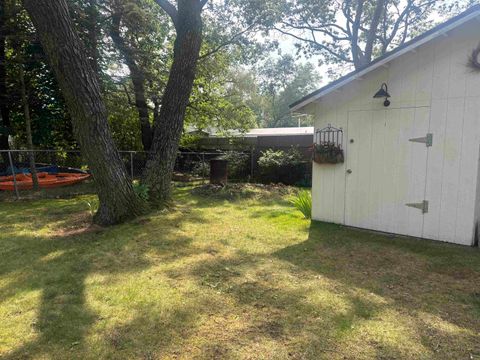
(386, 170)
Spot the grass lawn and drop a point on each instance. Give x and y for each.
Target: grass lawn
(225, 277)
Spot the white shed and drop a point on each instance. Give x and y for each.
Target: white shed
(412, 167)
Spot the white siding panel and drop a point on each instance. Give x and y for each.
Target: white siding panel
(339, 215)
(465, 221)
(403, 173)
(377, 176)
(441, 70)
(409, 78)
(458, 70)
(329, 180)
(451, 168)
(390, 186)
(418, 168)
(424, 75)
(438, 119)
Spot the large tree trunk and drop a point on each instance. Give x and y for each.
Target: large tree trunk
(81, 90)
(28, 128)
(138, 80)
(4, 108)
(93, 34)
(372, 31)
(357, 54)
(168, 128)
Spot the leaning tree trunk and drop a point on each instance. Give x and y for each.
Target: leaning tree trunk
(28, 128)
(81, 90)
(168, 128)
(138, 81)
(93, 32)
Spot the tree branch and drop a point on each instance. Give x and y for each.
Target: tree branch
(170, 9)
(129, 99)
(316, 45)
(324, 31)
(358, 58)
(322, 27)
(227, 43)
(372, 32)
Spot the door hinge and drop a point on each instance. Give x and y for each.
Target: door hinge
(421, 205)
(427, 140)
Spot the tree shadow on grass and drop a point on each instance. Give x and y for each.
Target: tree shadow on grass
(405, 296)
(58, 267)
(277, 312)
(433, 283)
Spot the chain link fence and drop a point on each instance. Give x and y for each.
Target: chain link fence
(15, 169)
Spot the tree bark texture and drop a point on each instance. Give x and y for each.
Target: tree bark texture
(169, 126)
(81, 90)
(138, 80)
(93, 19)
(4, 108)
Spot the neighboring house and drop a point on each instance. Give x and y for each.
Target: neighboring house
(412, 167)
(258, 139)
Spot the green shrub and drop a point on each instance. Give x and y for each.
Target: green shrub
(201, 169)
(278, 166)
(141, 190)
(303, 203)
(238, 164)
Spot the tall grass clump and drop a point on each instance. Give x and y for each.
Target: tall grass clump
(303, 203)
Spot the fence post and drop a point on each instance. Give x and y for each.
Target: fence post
(203, 167)
(14, 175)
(131, 164)
(251, 164)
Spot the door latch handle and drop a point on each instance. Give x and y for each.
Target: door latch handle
(349, 171)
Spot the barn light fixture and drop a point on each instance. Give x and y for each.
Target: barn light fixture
(383, 93)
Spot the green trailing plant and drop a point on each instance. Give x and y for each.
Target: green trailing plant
(141, 190)
(303, 203)
(328, 153)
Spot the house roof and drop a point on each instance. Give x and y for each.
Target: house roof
(443, 28)
(253, 133)
(289, 131)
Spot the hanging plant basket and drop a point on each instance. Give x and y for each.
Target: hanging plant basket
(328, 146)
(328, 153)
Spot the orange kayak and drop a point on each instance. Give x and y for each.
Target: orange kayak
(45, 180)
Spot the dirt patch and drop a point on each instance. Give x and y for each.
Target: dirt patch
(272, 328)
(79, 224)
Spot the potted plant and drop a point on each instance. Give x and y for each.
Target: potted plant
(328, 153)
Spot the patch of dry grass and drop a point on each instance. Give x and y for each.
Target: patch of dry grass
(228, 277)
